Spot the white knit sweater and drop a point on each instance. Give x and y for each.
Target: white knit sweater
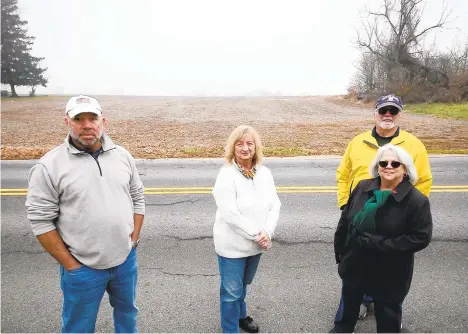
(245, 208)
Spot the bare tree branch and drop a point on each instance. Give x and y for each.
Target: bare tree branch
(392, 39)
(440, 24)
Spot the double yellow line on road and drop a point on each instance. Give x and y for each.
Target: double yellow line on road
(281, 189)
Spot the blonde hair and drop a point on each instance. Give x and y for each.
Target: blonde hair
(237, 135)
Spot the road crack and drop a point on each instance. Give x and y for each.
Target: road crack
(205, 237)
(189, 275)
(191, 201)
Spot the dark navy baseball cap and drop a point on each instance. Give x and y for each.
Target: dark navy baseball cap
(389, 100)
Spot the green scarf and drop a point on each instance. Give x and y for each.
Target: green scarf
(364, 220)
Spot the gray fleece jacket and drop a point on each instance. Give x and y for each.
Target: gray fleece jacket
(90, 202)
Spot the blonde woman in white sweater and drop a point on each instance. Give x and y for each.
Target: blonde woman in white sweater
(246, 218)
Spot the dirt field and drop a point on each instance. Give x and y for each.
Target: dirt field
(157, 127)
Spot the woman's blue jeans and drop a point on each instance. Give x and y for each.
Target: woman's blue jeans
(235, 275)
(84, 288)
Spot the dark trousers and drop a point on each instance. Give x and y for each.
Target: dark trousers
(366, 300)
(387, 314)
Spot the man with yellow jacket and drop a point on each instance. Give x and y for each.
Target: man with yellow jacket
(361, 151)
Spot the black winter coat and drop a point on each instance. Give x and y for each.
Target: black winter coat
(403, 226)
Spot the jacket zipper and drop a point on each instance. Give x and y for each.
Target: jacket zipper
(100, 170)
(97, 161)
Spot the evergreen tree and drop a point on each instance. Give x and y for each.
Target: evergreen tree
(19, 67)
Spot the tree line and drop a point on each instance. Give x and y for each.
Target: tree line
(394, 58)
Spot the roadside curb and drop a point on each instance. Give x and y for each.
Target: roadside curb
(306, 157)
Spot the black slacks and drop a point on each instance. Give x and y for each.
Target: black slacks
(387, 314)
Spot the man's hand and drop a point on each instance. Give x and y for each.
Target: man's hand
(134, 237)
(137, 224)
(74, 266)
(54, 245)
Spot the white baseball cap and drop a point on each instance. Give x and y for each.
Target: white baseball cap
(82, 103)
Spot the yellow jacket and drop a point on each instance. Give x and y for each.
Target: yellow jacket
(360, 153)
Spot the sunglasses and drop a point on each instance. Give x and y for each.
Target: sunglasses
(394, 164)
(393, 110)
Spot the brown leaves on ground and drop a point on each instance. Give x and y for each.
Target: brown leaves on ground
(165, 127)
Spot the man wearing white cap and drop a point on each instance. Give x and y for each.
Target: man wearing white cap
(86, 207)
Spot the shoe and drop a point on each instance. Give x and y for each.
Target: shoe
(248, 325)
(362, 312)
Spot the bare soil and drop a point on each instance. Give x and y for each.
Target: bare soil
(182, 127)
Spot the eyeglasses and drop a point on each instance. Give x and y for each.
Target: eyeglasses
(393, 110)
(394, 164)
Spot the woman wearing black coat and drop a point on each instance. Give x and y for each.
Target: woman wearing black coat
(385, 222)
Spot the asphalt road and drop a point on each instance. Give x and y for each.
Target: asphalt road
(296, 288)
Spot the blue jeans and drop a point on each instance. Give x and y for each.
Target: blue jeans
(84, 288)
(235, 275)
